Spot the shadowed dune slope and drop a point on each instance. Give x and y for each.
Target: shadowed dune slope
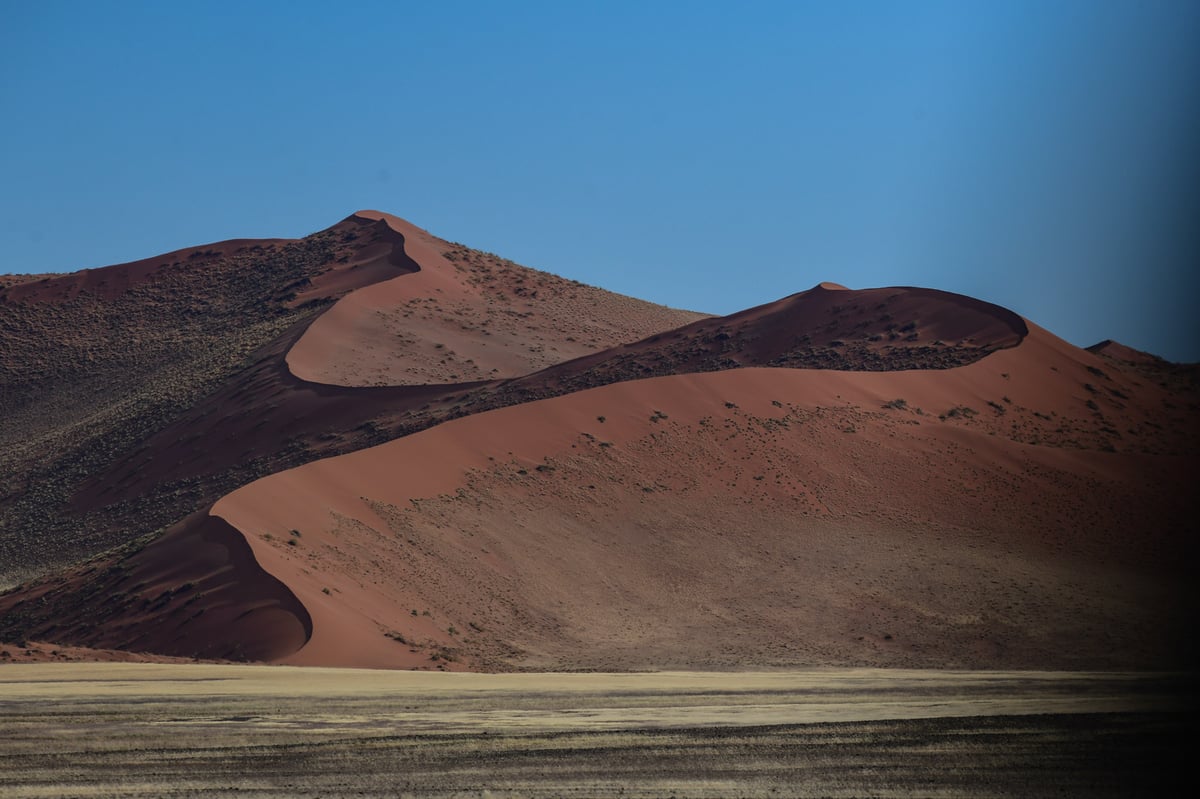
(923, 479)
(195, 592)
(826, 327)
(465, 316)
(245, 421)
(110, 282)
(1120, 352)
(975, 516)
(93, 363)
(1027, 509)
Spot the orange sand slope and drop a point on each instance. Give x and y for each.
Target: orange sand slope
(1028, 509)
(923, 480)
(749, 516)
(465, 316)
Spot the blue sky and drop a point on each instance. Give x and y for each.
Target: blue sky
(1041, 155)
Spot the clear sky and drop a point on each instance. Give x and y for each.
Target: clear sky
(1041, 155)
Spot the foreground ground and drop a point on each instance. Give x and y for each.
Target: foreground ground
(120, 729)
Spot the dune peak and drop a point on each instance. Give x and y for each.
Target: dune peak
(396, 223)
(1122, 352)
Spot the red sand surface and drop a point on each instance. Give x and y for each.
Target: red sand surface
(923, 480)
(464, 317)
(763, 516)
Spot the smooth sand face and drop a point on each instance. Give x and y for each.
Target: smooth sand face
(465, 317)
(1022, 510)
(756, 515)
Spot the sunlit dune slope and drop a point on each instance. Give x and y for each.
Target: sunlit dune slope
(921, 478)
(465, 316)
(973, 516)
(765, 516)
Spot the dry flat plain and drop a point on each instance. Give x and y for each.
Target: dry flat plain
(122, 729)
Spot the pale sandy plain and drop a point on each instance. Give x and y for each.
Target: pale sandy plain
(119, 729)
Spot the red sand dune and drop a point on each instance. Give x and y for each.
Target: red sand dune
(923, 480)
(750, 516)
(195, 592)
(246, 420)
(1119, 352)
(464, 317)
(807, 523)
(884, 329)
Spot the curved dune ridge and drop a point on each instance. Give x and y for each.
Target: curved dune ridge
(531, 473)
(198, 591)
(693, 527)
(882, 329)
(246, 419)
(95, 363)
(465, 316)
(622, 526)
